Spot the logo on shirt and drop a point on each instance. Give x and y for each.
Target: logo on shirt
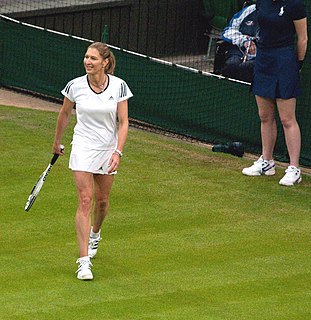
(250, 23)
(281, 11)
(111, 98)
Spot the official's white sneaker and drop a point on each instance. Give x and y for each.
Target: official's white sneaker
(93, 245)
(292, 176)
(260, 167)
(84, 271)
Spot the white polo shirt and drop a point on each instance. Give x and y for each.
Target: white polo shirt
(96, 126)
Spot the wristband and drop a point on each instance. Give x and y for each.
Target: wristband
(118, 152)
(300, 63)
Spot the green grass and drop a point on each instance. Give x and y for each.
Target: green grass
(188, 236)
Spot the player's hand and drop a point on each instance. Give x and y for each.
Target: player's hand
(58, 149)
(252, 48)
(113, 163)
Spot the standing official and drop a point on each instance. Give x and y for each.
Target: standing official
(277, 81)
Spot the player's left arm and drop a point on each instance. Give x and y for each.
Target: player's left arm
(302, 37)
(123, 123)
(123, 126)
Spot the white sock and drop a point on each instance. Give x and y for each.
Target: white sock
(94, 235)
(86, 258)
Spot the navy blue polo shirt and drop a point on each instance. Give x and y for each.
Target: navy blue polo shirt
(275, 20)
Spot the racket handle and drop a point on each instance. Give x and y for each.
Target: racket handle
(55, 157)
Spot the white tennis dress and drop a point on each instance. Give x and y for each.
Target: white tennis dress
(96, 132)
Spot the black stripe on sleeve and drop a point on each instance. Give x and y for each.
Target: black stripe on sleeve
(67, 88)
(123, 90)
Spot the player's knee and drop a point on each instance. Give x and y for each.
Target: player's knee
(86, 203)
(102, 203)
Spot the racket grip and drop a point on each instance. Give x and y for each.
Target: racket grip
(55, 157)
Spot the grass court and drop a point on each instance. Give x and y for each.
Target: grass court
(188, 236)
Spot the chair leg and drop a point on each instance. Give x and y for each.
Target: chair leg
(209, 48)
(209, 54)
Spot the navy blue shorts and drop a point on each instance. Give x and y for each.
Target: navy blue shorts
(276, 73)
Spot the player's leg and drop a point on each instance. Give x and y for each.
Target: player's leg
(84, 185)
(102, 189)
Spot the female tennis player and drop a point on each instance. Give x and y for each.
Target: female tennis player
(101, 101)
(277, 81)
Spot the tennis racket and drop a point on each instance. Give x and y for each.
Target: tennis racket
(37, 187)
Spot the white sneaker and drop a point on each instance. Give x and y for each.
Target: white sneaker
(260, 167)
(93, 246)
(84, 271)
(292, 176)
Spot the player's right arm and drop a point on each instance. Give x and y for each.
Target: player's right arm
(61, 124)
(232, 33)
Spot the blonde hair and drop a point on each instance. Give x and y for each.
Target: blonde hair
(105, 53)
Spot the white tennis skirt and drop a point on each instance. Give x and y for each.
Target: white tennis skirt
(89, 160)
